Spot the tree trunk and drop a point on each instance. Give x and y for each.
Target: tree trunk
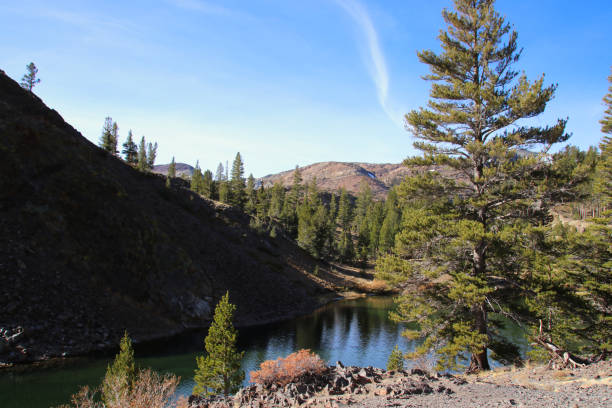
(479, 360)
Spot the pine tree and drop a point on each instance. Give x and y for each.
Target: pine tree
(346, 249)
(106, 139)
(606, 121)
(114, 139)
(219, 371)
(305, 228)
(237, 184)
(196, 179)
(151, 155)
(142, 156)
(396, 360)
(120, 375)
(277, 201)
(333, 207)
(583, 265)
(295, 194)
(224, 192)
(208, 186)
(603, 182)
(331, 247)
(220, 174)
(251, 196)
(130, 150)
(391, 222)
(460, 242)
(172, 169)
(221, 182)
(290, 206)
(345, 211)
(312, 231)
(376, 217)
(29, 80)
(263, 201)
(363, 203)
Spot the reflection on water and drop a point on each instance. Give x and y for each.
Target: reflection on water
(356, 332)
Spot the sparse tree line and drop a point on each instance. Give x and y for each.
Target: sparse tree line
(141, 156)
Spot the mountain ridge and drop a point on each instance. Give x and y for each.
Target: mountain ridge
(333, 175)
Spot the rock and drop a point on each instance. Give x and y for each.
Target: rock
(418, 371)
(382, 391)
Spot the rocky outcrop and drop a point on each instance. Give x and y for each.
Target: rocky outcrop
(336, 384)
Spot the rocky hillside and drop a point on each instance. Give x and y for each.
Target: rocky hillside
(89, 246)
(333, 175)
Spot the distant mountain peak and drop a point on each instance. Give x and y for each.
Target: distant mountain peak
(333, 175)
(182, 169)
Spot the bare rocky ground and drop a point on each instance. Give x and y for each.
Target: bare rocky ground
(341, 386)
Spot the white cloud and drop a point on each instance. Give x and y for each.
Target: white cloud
(376, 59)
(207, 7)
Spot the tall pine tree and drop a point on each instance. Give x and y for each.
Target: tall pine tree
(130, 150)
(196, 179)
(237, 183)
(250, 196)
(106, 139)
(172, 169)
(142, 156)
(208, 185)
(151, 155)
(461, 246)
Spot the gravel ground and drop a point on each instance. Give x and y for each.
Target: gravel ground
(528, 387)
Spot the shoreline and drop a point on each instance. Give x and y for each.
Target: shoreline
(154, 342)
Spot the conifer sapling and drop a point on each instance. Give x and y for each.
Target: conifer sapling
(219, 371)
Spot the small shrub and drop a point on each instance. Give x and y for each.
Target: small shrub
(396, 360)
(149, 390)
(284, 370)
(316, 271)
(273, 232)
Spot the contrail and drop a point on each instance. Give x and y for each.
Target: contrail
(377, 64)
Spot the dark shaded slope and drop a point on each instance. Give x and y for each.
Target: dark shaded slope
(89, 246)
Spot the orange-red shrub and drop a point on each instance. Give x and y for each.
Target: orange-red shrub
(283, 370)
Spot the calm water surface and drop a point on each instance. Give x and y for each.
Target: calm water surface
(356, 332)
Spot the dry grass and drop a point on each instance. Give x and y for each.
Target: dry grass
(283, 370)
(373, 286)
(150, 390)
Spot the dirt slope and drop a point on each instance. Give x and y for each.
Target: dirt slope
(89, 246)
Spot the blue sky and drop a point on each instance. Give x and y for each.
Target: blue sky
(284, 82)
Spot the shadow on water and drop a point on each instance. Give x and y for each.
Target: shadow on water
(356, 332)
